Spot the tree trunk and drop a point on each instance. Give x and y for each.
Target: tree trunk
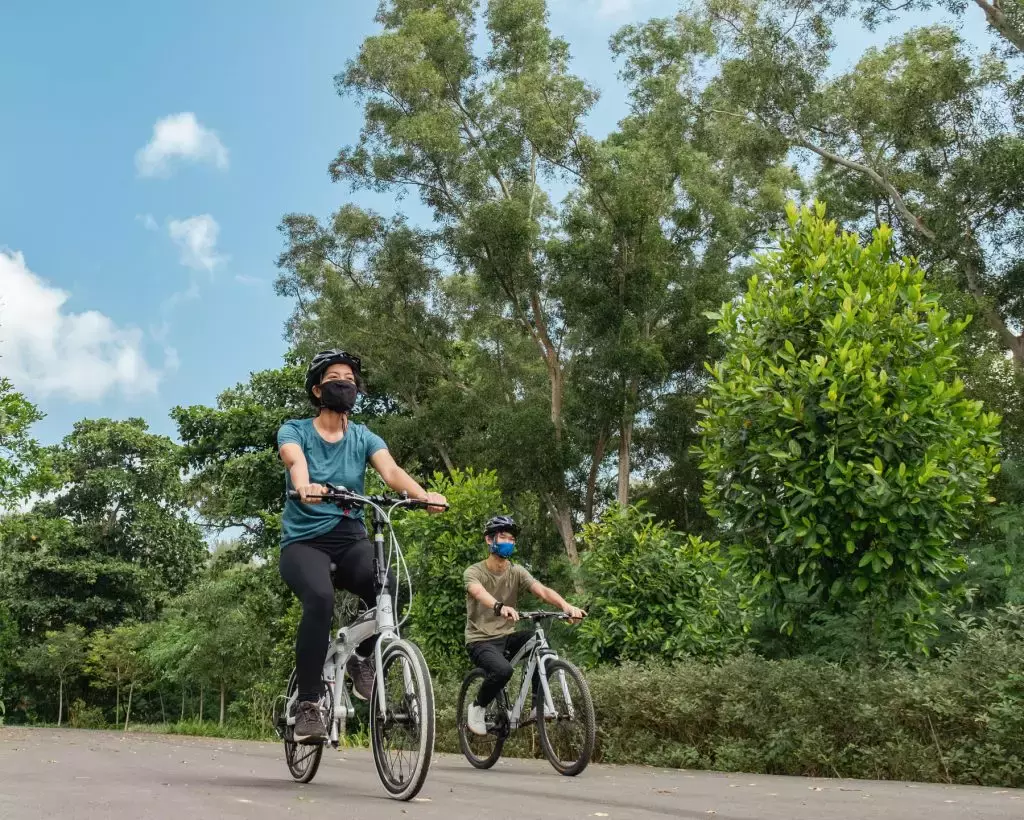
(595, 467)
(222, 703)
(60, 702)
(182, 704)
(562, 516)
(449, 465)
(117, 703)
(202, 694)
(163, 711)
(128, 710)
(998, 20)
(626, 442)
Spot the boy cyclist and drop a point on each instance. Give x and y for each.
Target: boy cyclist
(493, 587)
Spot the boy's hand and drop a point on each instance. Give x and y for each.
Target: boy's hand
(509, 613)
(575, 613)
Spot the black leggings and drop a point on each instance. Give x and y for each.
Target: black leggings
(493, 657)
(306, 569)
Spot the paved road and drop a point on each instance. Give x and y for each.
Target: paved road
(99, 775)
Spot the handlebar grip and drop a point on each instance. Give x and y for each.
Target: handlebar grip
(293, 495)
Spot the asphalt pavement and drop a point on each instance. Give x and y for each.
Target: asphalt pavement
(83, 775)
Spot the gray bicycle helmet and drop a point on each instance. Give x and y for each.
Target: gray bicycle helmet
(324, 359)
(501, 523)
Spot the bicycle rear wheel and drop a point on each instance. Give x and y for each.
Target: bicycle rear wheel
(403, 737)
(569, 735)
(303, 759)
(481, 752)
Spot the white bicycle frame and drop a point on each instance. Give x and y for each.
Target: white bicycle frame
(377, 621)
(540, 653)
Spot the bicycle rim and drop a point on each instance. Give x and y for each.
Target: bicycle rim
(481, 752)
(569, 736)
(403, 737)
(303, 760)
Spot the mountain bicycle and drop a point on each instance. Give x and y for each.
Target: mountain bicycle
(568, 728)
(402, 701)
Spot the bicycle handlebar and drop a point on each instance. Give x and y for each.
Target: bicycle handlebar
(344, 497)
(540, 615)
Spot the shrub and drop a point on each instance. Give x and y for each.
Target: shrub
(438, 550)
(653, 592)
(86, 717)
(840, 452)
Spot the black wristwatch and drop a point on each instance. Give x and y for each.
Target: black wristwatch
(497, 607)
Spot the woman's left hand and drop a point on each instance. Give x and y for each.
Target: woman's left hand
(438, 499)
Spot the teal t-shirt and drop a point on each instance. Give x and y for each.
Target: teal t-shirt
(342, 463)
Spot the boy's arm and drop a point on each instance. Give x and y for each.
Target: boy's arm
(476, 589)
(549, 596)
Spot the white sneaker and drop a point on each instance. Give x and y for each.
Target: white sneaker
(476, 720)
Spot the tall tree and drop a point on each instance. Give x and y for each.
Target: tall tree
(56, 658)
(478, 137)
(921, 135)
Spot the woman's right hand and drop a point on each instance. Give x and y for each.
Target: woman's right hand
(311, 493)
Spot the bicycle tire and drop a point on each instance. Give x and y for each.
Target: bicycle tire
(404, 787)
(302, 769)
(467, 691)
(584, 710)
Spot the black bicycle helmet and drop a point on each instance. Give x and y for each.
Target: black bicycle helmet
(324, 359)
(501, 523)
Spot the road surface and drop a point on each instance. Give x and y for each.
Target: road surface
(80, 775)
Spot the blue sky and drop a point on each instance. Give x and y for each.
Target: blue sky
(147, 154)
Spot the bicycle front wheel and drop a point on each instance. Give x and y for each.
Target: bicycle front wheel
(481, 752)
(569, 734)
(303, 760)
(403, 736)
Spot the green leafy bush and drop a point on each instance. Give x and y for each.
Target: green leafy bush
(654, 593)
(86, 717)
(841, 456)
(438, 550)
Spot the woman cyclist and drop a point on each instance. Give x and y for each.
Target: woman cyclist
(331, 449)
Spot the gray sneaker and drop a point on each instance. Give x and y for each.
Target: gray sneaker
(361, 672)
(309, 724)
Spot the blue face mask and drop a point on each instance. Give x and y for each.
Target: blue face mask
(504, 549)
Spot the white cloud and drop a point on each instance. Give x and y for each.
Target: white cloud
(45, 349)
(196, 237)
(148, 222)
(179, 136)
(253, 281)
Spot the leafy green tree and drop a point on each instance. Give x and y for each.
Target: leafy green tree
(17, 448)
(841, 456)
(114, 540)
(921, 134)
(58, 657)
(226, 650)
(237, 480)
(655, 594)
(116, 659)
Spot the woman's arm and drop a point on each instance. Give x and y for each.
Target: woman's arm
(295, 462)
(399, 480)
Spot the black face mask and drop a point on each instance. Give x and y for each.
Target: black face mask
(339, 396)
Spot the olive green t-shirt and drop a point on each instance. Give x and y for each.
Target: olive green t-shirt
(481, 622)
